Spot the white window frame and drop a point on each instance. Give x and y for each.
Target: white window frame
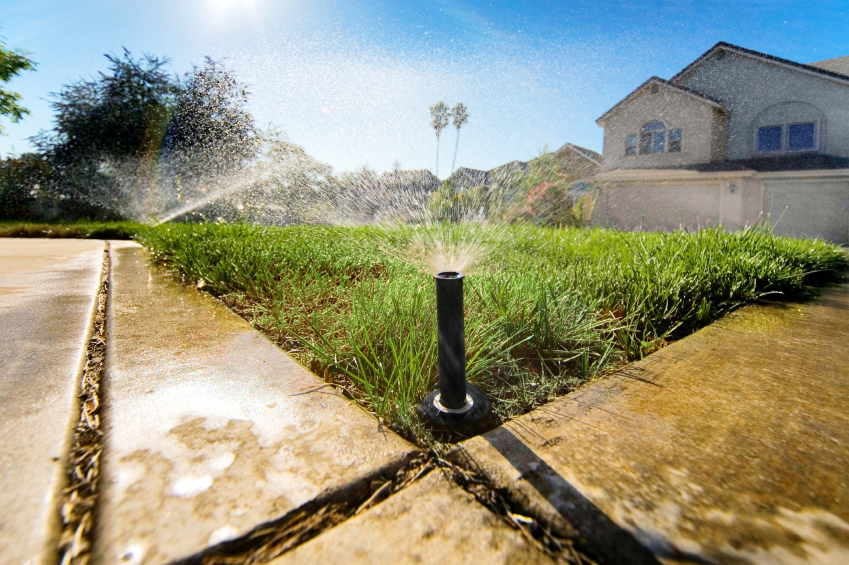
(785, 138)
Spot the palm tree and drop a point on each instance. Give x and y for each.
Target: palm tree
(460, 118)
(439, 115)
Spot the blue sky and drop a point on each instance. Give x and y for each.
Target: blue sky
(352, 80)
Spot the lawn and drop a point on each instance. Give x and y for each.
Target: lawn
(79, 230)
(546, 311)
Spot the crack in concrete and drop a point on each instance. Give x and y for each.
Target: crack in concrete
(84, 459)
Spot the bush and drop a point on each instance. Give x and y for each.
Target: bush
(549, 204)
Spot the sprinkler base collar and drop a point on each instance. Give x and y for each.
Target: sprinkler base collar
(466, 423)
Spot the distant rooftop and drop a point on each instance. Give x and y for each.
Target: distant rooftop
(415, 179)
(470, 178)
(836, 65)
(582, 151)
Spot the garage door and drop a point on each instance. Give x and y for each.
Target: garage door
(810, 208)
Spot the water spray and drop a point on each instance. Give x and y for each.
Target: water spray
(455, 406)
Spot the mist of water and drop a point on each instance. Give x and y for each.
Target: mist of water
(436, 227)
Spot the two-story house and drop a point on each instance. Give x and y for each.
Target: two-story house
(735, 137)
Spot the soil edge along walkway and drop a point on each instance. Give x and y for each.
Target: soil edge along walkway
(47, 296)
(211, 430)
(729, 446)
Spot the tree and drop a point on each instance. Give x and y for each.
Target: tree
(460, 118)
(120, 114)
(360, 199)
(211, 133)
(290, 187)
(136, 139)
(550, 204)
(107, 135)
(439, 119)
(12, 63)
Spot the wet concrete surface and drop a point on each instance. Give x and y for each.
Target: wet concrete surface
(730, 446)
(47, 296)
(432, 521)
(211, 429)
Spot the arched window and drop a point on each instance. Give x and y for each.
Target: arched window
(653, 138)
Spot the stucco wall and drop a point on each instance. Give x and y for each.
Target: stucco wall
(799, 204)
(663, 208)
(748, 88)
(701, 126)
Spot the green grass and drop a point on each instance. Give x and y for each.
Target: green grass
(78, 230)
(550, 310)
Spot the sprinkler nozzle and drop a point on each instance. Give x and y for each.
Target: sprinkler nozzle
(455, 406)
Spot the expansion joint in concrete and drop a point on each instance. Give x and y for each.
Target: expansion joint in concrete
(559, 543)
(272, 539)
(83, 463)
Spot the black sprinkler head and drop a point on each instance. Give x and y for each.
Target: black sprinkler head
(455, 407)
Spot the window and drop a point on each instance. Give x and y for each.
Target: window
(653, 138)
(769, 139)
(801, 137)
(675, 141)
(631, 144)
(645, 143)
(790, 137)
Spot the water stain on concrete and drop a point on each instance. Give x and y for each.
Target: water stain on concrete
(209, 432)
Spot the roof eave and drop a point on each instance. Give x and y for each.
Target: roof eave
(666, 84)
(764, 57)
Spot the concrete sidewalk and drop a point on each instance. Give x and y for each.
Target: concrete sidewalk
(729, 446)
(47, 297)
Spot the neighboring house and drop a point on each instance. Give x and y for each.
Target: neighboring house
(508, 174)
(579, 162)
(511, 167)
(419, 181)
(470, 178)
(401, 195)
(735, 136)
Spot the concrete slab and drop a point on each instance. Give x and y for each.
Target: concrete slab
(432, 521)
(211, 429)
(47, 296)
(730, 446)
